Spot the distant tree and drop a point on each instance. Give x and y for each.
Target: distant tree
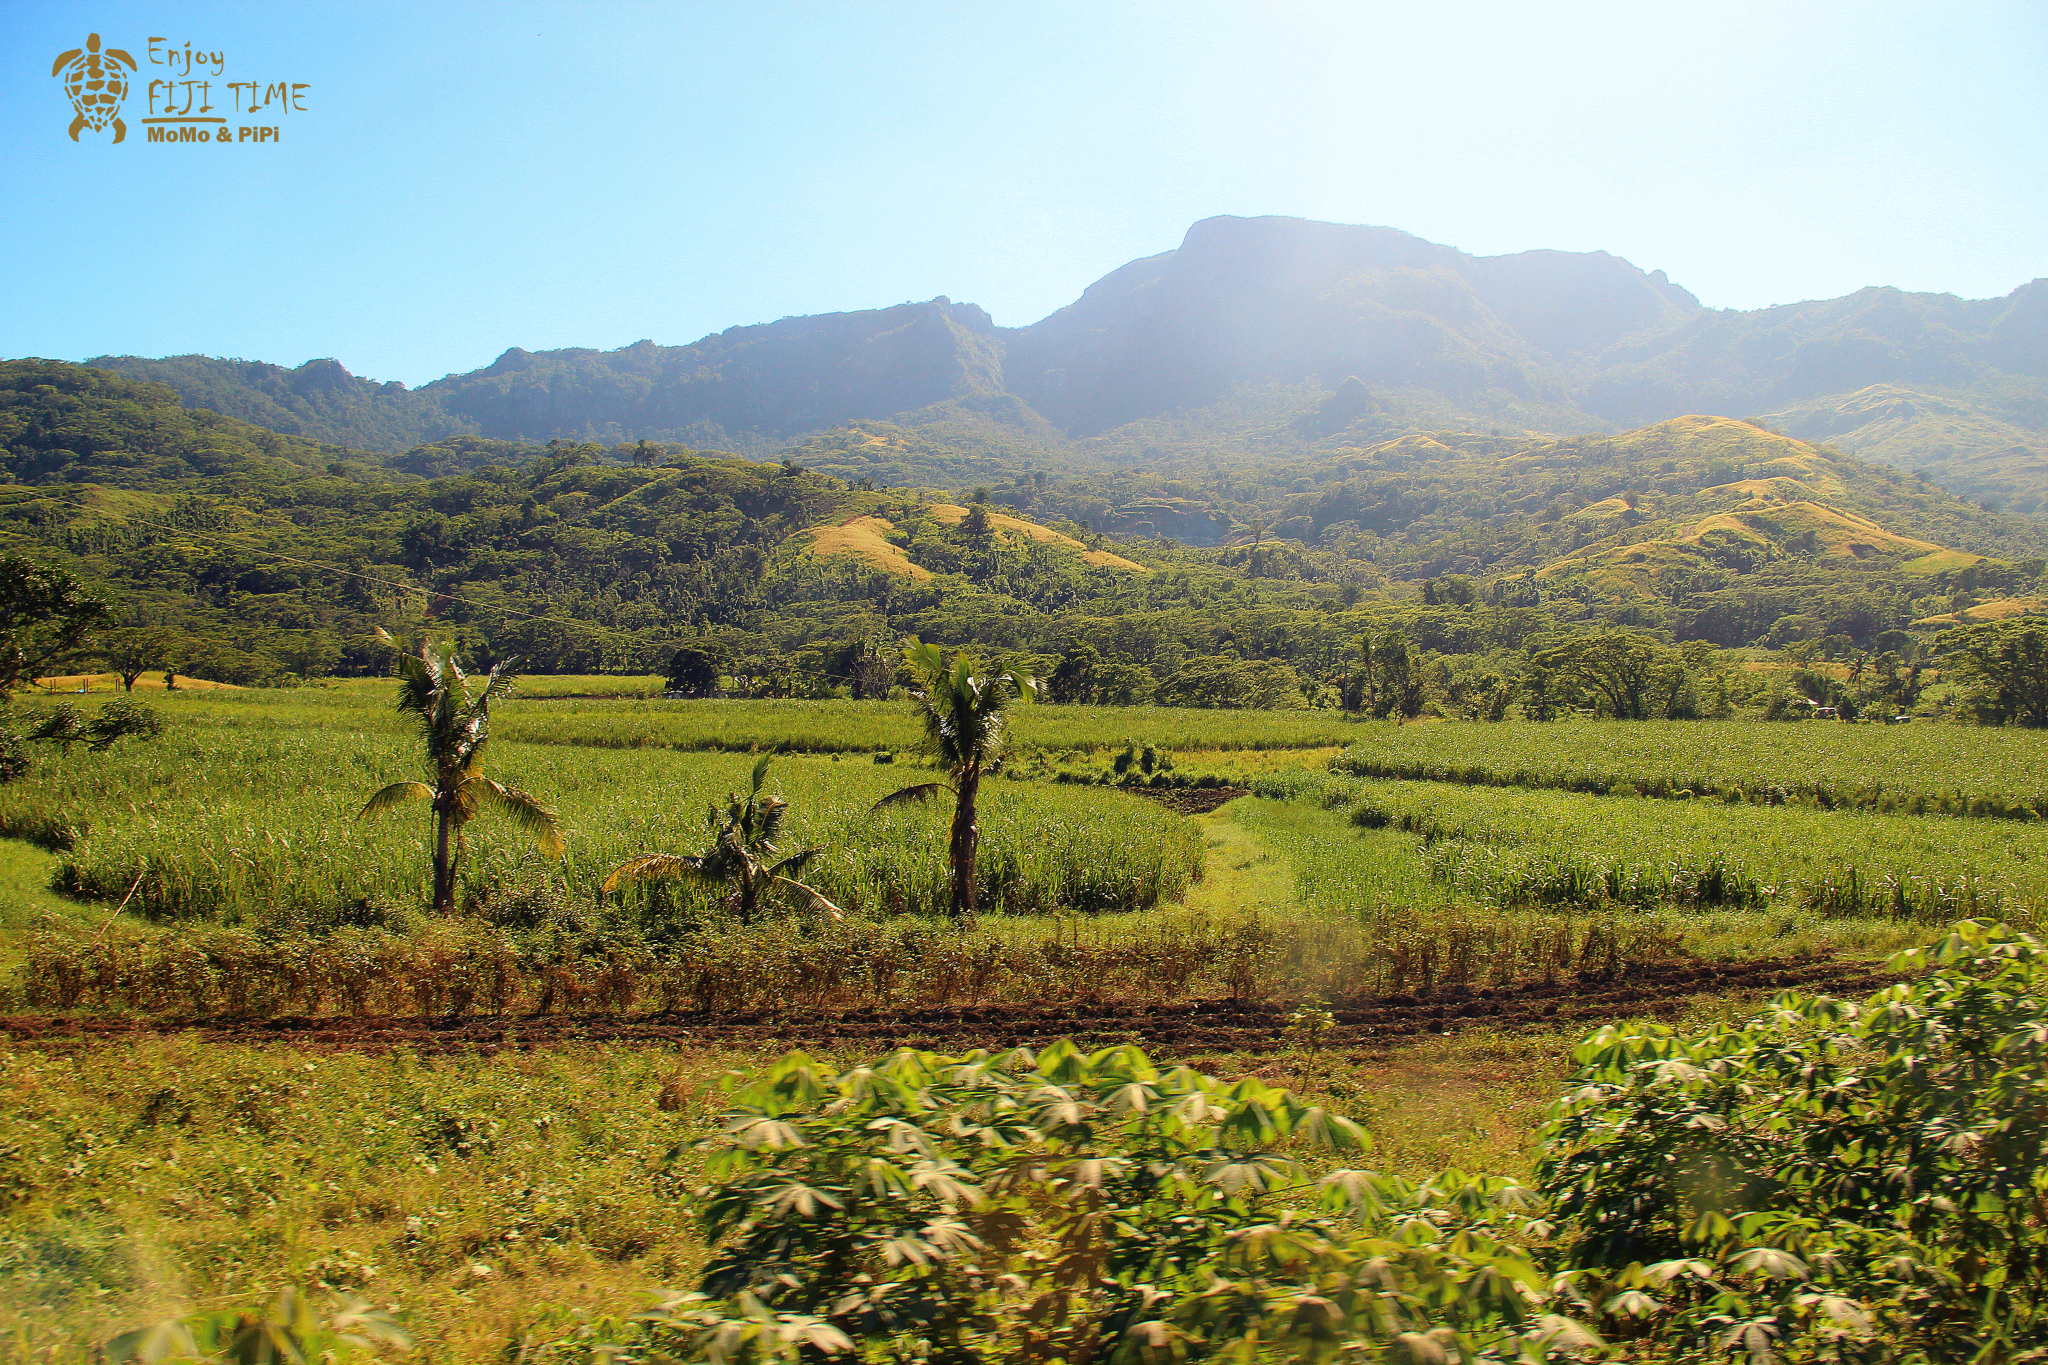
(964, 722)
(1073, 680)
(132, 651)
(1634, 676)
(1389, 680)
(743, 842)
(46, 614)
(865, 667)
(1452, 590)
(694, 671)
(456, 728)
(1084, 676)
(2006, 662)
(311, 653)
(976, 525)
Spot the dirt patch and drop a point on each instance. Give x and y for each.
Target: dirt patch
(1180, 1026)
(1190, 800)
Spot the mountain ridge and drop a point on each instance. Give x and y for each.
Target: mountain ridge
(1544, 342)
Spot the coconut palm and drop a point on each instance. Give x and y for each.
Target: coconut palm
(743, 841)
(457, 729)
(963, 722)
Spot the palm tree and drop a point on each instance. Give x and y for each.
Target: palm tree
(457, 728)
(963, 722)
(743, 839)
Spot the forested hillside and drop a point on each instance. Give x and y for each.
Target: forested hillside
(248, 556)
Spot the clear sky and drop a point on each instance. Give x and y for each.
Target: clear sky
(468, 177)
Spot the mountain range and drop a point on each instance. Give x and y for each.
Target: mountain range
(1273, 336)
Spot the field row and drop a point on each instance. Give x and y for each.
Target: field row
(749, 726)
(1912, 769)
(1921, 769)
(1417, 843)
(261, 824)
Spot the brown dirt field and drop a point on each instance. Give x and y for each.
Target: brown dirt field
(1191, 800)
(1198, 1025)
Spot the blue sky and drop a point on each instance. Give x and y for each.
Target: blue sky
(466, 178)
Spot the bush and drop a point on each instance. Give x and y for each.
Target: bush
(1829, 1181)
(1070, 1207)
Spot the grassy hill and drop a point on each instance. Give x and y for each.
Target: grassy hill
(269, 554)
(1958, 443)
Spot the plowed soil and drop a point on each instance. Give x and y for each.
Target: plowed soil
(1190, 800)
(1192, 1026)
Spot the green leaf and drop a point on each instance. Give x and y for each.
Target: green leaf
(397, 794)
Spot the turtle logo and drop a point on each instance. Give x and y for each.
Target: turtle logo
(96, 84)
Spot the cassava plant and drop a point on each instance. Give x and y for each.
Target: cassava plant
(456, 728)
(743, 843)
(964, 722)
(1072, 1207)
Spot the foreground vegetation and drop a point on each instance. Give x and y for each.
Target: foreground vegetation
(1763, 1191)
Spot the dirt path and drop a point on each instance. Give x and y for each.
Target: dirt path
(1202, 1025)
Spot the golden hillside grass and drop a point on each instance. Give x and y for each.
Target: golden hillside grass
(1998, 609)
(949, 514)
(111, 682)
(866, 539)
(1760, 522)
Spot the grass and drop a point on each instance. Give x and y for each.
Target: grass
(1484, 874)
(1917, 768)
(580, 712)
(167, 1177)
(261, 823)
(478, 1193)
(243, 815)
(477, 1196)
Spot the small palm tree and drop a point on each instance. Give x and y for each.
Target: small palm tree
(963, 722)
(457, 728)
(743, 841)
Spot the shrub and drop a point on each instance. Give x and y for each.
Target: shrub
(1829, 1181)
(1071, 1207)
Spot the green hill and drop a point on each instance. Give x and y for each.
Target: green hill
(267, 554)
(1959, 443)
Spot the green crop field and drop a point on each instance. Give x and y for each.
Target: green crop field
(261, 823)
(1955, 769)
(493, 1199)
(585, 712)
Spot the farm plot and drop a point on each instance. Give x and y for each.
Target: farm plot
(259, 822)
(1919, 768)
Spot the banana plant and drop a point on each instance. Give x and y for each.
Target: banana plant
(964, 719)
(457, 728)
(743, 843)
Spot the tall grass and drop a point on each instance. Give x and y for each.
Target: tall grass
(1519, 848)
(461, 967)
(588, 712)
(1909, 769)
(260, 823)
